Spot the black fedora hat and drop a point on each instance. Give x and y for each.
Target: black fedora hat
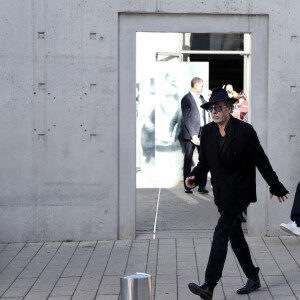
(217, 95)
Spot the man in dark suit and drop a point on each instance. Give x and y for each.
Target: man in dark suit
(231, 151)
(193, 119)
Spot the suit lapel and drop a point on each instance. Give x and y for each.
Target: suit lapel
(193, 102)
(203, 110)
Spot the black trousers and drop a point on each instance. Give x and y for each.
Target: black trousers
(189, 148)
(295, 213)
(228, 228)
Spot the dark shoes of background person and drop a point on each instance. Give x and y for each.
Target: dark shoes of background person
(205, 291)
(202, 190)
(252, 284)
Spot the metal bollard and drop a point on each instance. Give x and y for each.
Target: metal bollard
(136, 287)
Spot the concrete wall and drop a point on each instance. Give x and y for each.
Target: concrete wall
(59, 120)
(62, 155)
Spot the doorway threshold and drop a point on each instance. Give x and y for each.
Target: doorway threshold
(180, 234)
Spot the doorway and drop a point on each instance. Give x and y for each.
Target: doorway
(165, 63)
(256, 26)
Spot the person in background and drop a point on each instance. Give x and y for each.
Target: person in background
(240, 110)
(236, 110)
(209, 94)
(244, 110)
(193, 119)
(229, 90)
(293, 227)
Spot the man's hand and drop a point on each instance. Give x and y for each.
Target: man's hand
(280, 199)
(195, 140)
(189, 182)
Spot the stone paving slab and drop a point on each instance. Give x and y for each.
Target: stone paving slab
(91, 270)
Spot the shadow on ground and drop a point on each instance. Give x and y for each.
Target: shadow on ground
(177, 210)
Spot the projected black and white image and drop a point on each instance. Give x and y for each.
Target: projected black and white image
(160, 89)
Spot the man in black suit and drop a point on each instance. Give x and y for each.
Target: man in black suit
(231, 151)
(193, 119)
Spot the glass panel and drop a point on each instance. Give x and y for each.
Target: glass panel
(160, 86)
(213, 41)
(223, 69)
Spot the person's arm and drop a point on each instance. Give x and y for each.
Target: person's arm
(263, 164)
(173, 123)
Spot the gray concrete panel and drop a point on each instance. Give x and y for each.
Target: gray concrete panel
(58, 118)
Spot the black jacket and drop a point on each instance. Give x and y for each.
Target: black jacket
(190, 116)
(233, 169)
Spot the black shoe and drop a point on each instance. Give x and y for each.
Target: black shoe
(252, 284)
(202, 190)
(205, 291)
(188, 191)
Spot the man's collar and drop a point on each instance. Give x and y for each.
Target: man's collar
(227, 125)
(194, 95)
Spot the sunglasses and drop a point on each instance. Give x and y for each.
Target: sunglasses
(217, 108)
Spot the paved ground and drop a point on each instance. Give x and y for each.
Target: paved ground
(92, 270)
(176, 211)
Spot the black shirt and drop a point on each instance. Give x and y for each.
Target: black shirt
(222, 139)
